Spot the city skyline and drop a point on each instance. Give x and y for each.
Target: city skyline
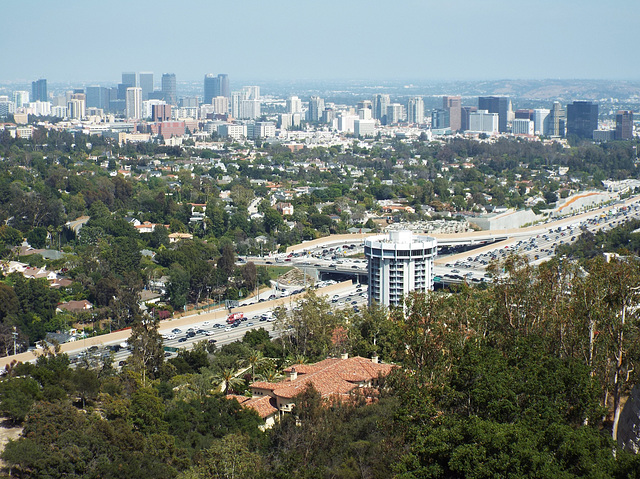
(459, 40)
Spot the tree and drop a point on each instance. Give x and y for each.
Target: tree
(147, 353)
(37, 237)
(86, 383)
(228, 458)
(178, 287)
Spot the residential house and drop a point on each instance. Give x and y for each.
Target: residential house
(333, 378)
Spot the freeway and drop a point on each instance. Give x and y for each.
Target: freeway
(184, 323)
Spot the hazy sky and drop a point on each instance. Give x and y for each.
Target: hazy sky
(86, 40)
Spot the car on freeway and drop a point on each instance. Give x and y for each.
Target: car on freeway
(176, 330)
(182, 340)
(227, 329)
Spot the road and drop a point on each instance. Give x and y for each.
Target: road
(184, 323)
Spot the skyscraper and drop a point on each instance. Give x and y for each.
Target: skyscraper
(216, 86)
(557, 120)
(146, 83)
(97, 97)
(134, 103)
(497, 104)
(540, 120)
(415, 110)
(465, 111)
(399, 263)
(294, 105)
(395, 113)
(316, 107)
(440, 119)
(210, 84)
(624, 125)
(380, 102)
(453, 104)
(129, 79)
(169, 88)
(582, 118)
(39, 90)
(251, 92)
(223, 85)
(20, 98)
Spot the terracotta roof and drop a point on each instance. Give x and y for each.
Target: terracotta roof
(261, 404)
(332, 376)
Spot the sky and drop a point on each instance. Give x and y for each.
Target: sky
(444, 40)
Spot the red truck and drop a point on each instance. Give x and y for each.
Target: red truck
(233, 317)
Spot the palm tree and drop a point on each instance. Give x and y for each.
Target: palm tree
(270, 375)
(227, 379)
(255, 358)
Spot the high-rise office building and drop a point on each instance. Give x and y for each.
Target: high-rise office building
(522, 126)
(97, 97)
(582, 118)
(316, 107)
(223, 88)
(210, 84)
(217, 86)
(395, 113)
(146, 84)
(161, 112)
(415, 110)
(540, 121)
(624, 125)
(169, 88)
(523, 114)
(482, 121)
(465, 111)
(20, 98)
(453, 104)
(39, 90)
(380, 102)
(129, 79)
(134, 103)
(294, 105)
(399, 263)
(440, 119)
(556, 123)
(497, 104)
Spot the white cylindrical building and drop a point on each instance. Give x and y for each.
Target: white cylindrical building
(399, 263)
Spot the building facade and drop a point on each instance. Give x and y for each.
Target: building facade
(146, 84)
(39, 90)
(134, 103)
(415, 110)
(453, 104)
(169, 88)
(582, 118)
(399, 263)
(624, 125)
(497, 104)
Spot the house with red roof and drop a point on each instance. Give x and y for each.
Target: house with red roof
(333, 378)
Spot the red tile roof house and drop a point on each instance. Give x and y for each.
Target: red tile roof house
(75, 306)
(333, 378)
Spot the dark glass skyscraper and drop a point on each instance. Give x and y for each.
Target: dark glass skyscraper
(216, 86)
(146, 83)
(496, 104)
(169, 88)
(39, 90)
(624, 125)
(582, 118)
(210, 81)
